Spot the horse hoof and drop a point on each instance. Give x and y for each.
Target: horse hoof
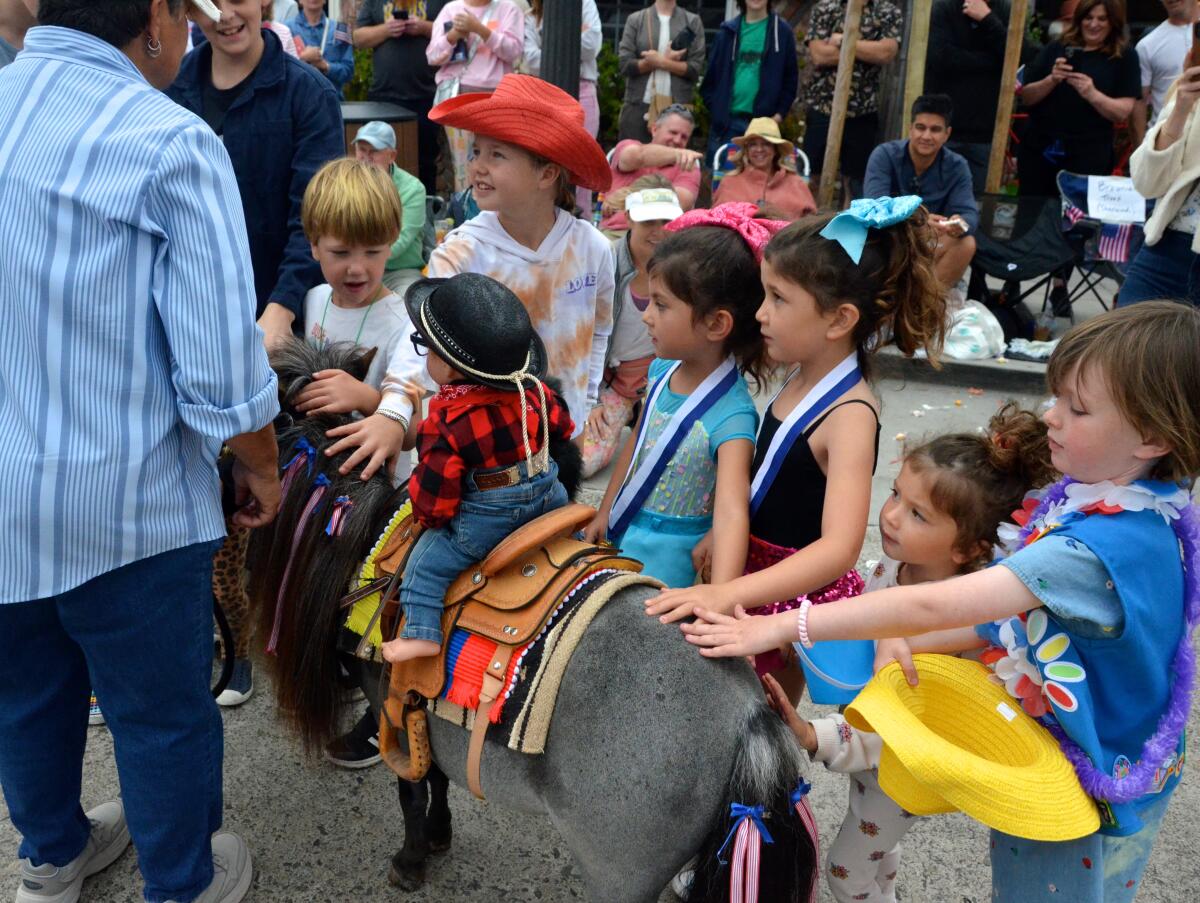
(406, 877)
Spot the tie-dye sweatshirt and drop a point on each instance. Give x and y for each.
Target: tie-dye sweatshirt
(566, 285)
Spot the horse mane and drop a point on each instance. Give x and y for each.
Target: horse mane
(299, 567)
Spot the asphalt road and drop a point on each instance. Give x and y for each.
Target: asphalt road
(318, 833)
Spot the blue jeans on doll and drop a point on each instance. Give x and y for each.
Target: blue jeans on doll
(484, 518)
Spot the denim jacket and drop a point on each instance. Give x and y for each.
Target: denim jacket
(284, 126)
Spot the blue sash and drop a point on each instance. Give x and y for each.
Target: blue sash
(836, 383)
(641, 481)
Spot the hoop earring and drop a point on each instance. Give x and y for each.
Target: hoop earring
(153, 48)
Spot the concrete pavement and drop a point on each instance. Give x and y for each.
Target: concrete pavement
(318, 833)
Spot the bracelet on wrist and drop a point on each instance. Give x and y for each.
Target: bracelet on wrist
(393, 416)
(802, 624)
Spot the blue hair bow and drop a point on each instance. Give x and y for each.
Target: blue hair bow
(739, 814)
(849, 228)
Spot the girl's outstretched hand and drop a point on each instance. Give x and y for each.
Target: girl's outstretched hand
(672, 605)
(722, 636)
(778, 700)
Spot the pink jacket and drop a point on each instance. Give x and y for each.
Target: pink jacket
(494, 58)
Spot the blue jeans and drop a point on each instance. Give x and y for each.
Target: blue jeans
(1167, 270)
(484, 518)
(1092, 869)
(141, 636)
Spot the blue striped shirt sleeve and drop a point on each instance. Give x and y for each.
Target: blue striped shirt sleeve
(203, 290)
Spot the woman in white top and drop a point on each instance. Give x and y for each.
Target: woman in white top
(1167, 167)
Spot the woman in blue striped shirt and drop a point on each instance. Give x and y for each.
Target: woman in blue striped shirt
(129, 355)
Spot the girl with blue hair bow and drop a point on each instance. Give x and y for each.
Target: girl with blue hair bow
(837, 287)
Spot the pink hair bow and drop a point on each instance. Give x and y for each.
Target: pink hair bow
(736, 215)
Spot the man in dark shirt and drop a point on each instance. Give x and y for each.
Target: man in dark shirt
(965, 59)
(398, 33)
(921, 164)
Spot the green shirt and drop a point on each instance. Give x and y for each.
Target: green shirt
(752, 40)
(406, 251)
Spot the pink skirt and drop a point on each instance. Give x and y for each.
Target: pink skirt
(761, 555)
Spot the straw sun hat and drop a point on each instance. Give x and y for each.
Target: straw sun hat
(767, 129)
(959, 741)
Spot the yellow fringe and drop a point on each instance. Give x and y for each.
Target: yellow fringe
(364, 609)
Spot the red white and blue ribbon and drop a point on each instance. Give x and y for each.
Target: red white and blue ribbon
(337, 518)
(804, 811)
(305, 457)
(832, 386)
(748, 833)
(317, 492)
(640, 481)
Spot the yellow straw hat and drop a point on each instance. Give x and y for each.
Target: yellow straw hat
(959, 741)
(767, 129)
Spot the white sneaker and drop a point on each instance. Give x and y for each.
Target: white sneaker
(241, 684)
(232, 871)
(60, 884)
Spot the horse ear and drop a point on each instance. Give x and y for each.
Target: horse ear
(363, 362)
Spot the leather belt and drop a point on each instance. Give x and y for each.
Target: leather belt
(510, 476)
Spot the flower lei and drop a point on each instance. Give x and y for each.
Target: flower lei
(1165, 738)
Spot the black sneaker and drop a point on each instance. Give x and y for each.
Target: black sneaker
(359, 748)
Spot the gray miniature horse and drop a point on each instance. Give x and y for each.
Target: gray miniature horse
(649, 746)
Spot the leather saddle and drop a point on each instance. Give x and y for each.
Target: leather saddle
(507, 599)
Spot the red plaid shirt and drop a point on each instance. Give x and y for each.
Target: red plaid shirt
(474, 427)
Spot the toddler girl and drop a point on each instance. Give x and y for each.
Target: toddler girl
(941, 520)
(687, 467)
(835, 287)
(1094, 606)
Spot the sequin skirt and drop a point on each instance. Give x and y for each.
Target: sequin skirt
(761, 555)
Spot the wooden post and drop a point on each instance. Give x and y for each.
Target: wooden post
(918, 48)
(841, 97)
(1008, 82)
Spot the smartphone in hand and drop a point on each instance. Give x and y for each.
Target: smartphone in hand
(683, 40)
(1193, 58)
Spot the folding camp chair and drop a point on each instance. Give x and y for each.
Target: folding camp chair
(1102, 249)
(1020, 240)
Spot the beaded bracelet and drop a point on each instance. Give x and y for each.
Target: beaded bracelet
(802, 624)
(393, 416)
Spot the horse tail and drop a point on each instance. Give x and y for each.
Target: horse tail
(766, 770)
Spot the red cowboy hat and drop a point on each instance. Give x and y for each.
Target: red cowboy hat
(536, 116)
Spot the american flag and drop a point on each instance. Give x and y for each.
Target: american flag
(342, 33)
(1113, 243)
(1072, 214)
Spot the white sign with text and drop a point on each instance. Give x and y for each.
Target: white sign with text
(1112, 199)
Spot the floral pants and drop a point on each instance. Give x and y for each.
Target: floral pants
(864, 857)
